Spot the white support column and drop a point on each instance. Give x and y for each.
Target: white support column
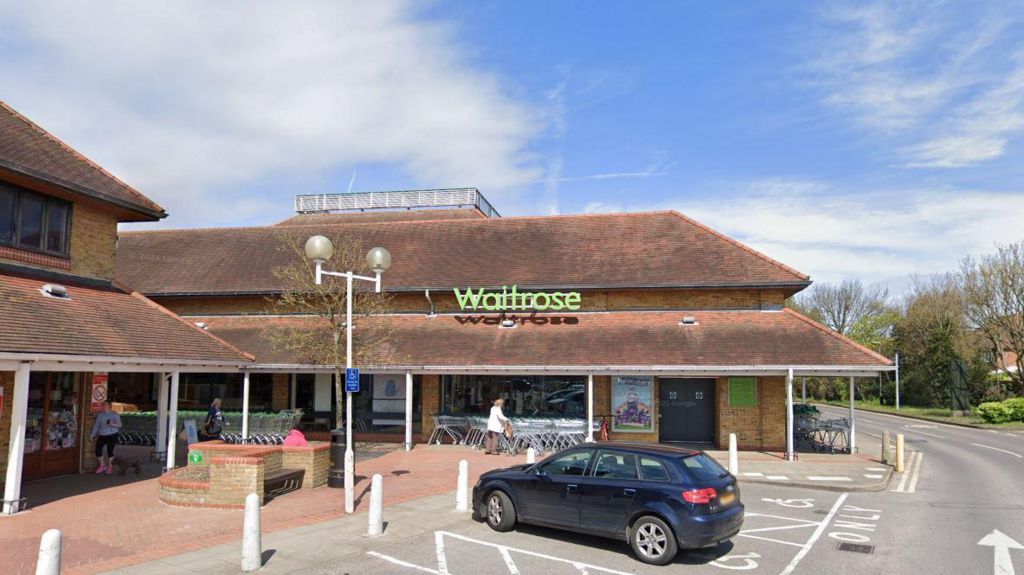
(590, 408)
(853, 421)
(897, 381)
(245, 407)
(16, 452)
(172, 420)
(163, 389)
(293, 381)
(790, 455)
(408, 411)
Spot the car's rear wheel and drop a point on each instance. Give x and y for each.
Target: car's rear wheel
(500, 511)
(653, 541)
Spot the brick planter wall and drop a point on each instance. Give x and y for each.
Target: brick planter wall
(227, 473)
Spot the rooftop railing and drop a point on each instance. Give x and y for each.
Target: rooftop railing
(408, 199)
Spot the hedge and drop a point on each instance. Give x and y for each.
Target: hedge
(1002, 412)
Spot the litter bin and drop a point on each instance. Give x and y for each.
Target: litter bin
(336, 475)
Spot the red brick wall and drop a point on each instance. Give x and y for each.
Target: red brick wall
(281, 396)
(431, 394)
(759, 427)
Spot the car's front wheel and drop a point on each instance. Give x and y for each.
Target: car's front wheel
(500, 511)
(653, 541)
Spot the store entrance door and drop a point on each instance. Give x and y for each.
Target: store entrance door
(686, 409)
(53, 425)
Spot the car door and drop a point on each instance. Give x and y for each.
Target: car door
(607, 493)
(551, 496)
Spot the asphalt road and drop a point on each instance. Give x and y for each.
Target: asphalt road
(961, 485)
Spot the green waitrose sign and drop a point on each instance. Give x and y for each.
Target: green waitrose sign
(511, 299)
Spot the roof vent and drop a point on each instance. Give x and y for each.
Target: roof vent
(508, 323)
(202, 325)
(688, 320)
(55, 291)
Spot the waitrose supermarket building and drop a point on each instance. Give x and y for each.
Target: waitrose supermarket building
(650, 323)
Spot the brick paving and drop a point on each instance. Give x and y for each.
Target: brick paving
(124, 524)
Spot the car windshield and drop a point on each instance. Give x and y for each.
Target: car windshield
(703, 468)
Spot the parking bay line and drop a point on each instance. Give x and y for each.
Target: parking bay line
(814, 536)
(828, 478)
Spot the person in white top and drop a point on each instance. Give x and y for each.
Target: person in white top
(495, 426)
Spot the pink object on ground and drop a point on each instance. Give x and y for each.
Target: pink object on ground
(295, 438)
(110, 470)
(100, 469)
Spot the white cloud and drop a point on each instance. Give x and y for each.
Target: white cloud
(878, 236)
(944, 83)
(188, 99)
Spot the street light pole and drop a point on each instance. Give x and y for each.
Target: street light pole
(319, 249)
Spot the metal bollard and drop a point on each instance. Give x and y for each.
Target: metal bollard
(531, 455)
(376, 520)
(252, 539)
(899, 453)
(734, 456)
(49, 553)
(462, 492)
(886, 447)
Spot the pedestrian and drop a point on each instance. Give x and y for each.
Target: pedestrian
(495, 426)
(104, 432)
(296, 438)
(214, 420)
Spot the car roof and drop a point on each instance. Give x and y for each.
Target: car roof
(652, 448)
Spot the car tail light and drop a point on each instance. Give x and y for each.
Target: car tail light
(700, 495)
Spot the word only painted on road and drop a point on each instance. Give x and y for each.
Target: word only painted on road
(853, 523)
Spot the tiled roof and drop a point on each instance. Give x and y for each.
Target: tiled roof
(383, 216)
(652, 249)
(28, 150)
(720, 338)
(99, 320)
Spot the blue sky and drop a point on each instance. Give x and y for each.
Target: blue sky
(872, 140)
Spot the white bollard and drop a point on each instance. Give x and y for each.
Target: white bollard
(49, 553)
(462, 491)
(531, 455)
(734, 456)
(899, 453)
(252, 544)
(376, 520)
(886, 447)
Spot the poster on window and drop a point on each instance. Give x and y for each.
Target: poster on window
(99, 390)
(632, 397)
(388, 399)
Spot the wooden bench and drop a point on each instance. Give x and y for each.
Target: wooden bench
(281, 482)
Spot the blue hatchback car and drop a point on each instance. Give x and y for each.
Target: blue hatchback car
(658, 498)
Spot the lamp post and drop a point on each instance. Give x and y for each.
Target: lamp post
(320, 249)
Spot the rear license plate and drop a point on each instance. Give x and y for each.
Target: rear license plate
(727, 498)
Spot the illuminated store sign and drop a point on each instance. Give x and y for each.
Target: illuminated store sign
(511, 299)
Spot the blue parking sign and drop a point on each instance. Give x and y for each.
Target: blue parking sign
(352, 379)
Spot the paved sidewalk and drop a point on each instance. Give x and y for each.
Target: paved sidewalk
(125, 524)
(862, 471)
(315, 548)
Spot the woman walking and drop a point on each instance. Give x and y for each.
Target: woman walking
(104, 433)
(495, 426)
(214, 421)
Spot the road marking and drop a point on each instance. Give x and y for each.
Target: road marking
(916, 474)
(442, 559)
(993, 431)
(815, 536)
(1001, 545)
(576, 564)
(875, 468)
(828, 478)
(401, 563)
(924, 433)
(752, 474)
(778, 477)
(906, 473)
(1017, 455)
(512, 569)
(873, 476)
(752, 514)
(801, 545)
(1012, 434)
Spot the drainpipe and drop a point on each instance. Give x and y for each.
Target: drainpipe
(431, 302)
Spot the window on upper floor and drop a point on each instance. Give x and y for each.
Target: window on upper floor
(34, 222)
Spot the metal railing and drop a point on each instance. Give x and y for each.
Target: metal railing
(454, 197)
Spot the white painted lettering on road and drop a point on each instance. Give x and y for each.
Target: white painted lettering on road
(747, 561)
(796, 503)
(815, 536)
(850, 529)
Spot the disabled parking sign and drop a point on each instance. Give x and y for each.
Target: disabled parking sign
(352, 380)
